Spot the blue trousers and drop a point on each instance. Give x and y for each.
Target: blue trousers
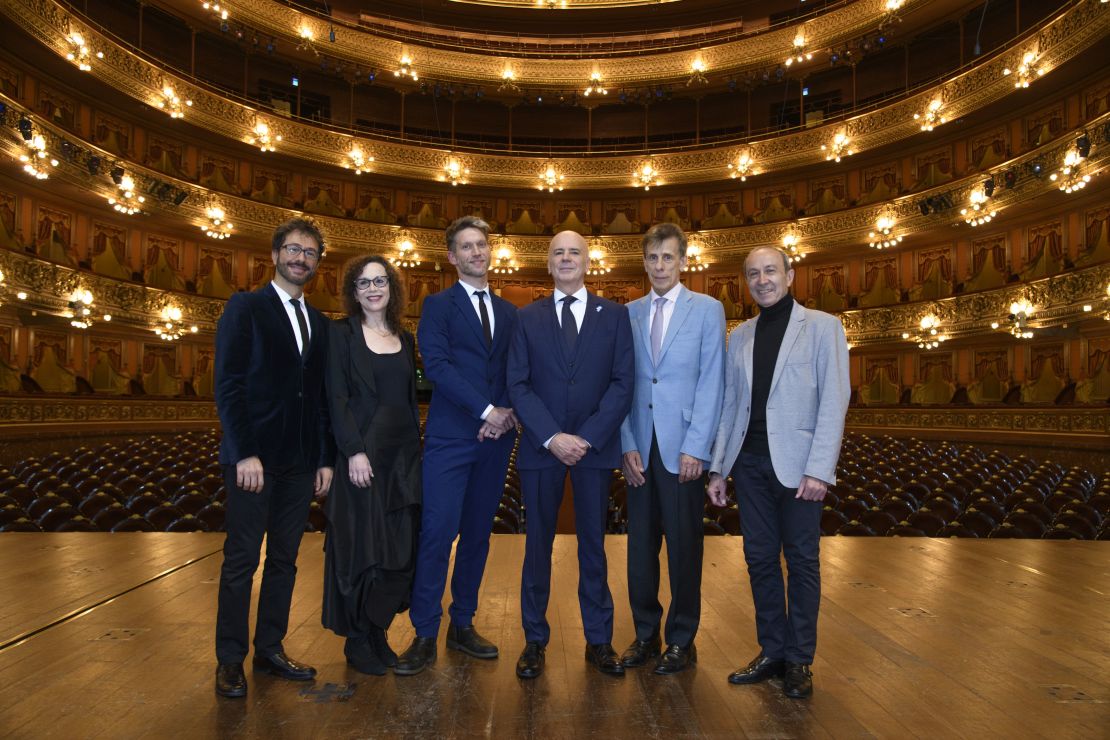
(773, 523)
(543, 493)
(463, 483)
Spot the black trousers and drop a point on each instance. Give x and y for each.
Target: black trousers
(279, 513)
(664, 507)
(775, 524)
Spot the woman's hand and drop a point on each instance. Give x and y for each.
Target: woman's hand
(359, 470)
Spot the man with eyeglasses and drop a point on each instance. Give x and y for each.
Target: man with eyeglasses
(464, 338)
(277, 451)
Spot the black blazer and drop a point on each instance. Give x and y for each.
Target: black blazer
(352, 393)
(271, 405)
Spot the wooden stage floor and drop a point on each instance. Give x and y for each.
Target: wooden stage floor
(110, 635)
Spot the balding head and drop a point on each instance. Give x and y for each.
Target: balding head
(567, 259)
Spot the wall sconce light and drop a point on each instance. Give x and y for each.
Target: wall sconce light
(1026, 72)
(406, 254)
(743, 166)
(1021, 312)
(454, 171)
(932, 117)
(216, 8)
(695, 262)
(80, 309)
(799, 53)
(550, 179)
(504, 262)
(79, 52)
(977, 211)
(841, 147)
(883, 236)
(36, 159)
(646, 174)
(929, 334)
(126, 201)
(171, 103)
(594, 86)
(791, 244)
(358, 160)
(262, 137)
(697, 73)
(1070, 178)
(406, 68)
(216, 226)
(169, 326)
(597, 264)
(508, 81)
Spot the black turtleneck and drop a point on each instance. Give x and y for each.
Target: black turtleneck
(770, 327)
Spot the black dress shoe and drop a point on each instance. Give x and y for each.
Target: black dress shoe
(640, 652)
(760, 669)
(282, 666)
(361, 656)
(230, 681)
(530, 663)
(604, 657)
(797, 683)
(467, 640)
(676, 659)
(420, 655)
(380, 645)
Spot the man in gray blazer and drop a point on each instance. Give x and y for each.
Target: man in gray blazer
(786, 396)
(678, 339)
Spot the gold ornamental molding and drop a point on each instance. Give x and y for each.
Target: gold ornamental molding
(1055, 426)
(70, 413)
(825, 233)
(1056, 41)
(477, 65)
(1058, 300)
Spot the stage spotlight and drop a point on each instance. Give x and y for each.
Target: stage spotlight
(24, 127)
(1010, 178)
(116, 173)
(93, 163)
(1037, 168)
(1083, 145)
(988, 187)
(923, 206)
(180, 197)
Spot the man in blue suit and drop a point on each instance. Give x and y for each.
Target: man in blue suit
(570, 380)
(276, 451)
(667, 438)
(464, 338)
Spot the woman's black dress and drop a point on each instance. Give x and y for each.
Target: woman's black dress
(370, 546)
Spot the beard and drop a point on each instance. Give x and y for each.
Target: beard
(283, 270)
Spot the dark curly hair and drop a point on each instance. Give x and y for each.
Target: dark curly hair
(353, 271)
(304, 225)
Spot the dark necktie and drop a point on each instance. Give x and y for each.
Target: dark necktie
(486, 330)
(570, 329)
(304, 328)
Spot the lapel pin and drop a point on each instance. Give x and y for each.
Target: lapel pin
(597, 308)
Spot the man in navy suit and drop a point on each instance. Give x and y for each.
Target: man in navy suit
(464, 339)
(276, 451)
(667, 438)
(570, 380)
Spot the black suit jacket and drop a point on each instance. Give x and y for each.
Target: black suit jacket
(271, 405)
(352, 393)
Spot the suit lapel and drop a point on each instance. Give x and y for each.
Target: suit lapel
(502, 322)
(554, 334)
(793, 331)
(359, 354)
(681, 312)
(641, 311)
(589, 323)
(282, 318)
(466, 307)
(748, 349)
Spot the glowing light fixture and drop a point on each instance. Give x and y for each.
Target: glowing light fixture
(406, 68)
(840, 147)
(263, 137)
(79, 52)
(594, 85)
(1027, 71)
(742, 167)
(126, 201)
(169, 101)
(216, 225)
(978, 210)
(929, 334)
(504, 262)
(455, 171)
(646, 174)
(883, 237)
(932, 117)
(799, 53)
(358, 160)
(550, 179)
(406, 254)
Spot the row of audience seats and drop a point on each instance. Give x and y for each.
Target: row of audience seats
(885, 487)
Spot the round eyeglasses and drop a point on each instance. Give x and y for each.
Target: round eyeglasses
(296, 249)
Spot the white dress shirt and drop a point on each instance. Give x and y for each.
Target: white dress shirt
(577, 309)
(470, 290)
(671, 297)
(292, 314)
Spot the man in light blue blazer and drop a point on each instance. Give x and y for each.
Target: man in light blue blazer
(786, 396)
(678, 337)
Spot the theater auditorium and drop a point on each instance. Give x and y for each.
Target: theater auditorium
(934, 171)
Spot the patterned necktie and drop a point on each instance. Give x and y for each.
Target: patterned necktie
(657, 330)
(570, 329)
(486, 330)
(303, 326)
